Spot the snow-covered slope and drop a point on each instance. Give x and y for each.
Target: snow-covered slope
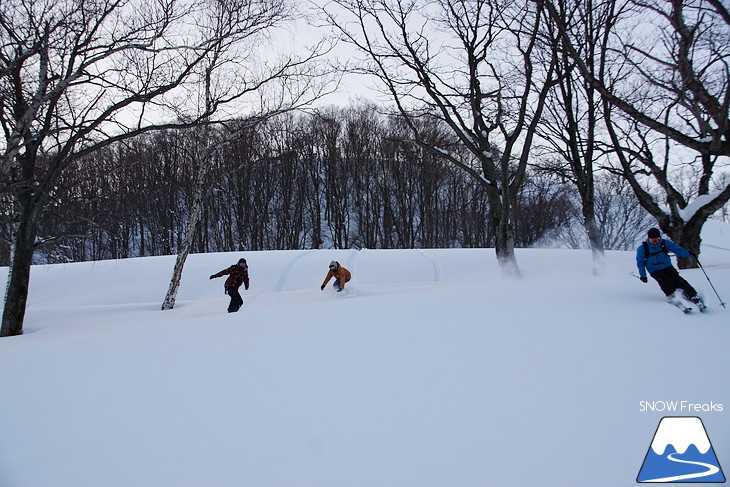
(433, 370)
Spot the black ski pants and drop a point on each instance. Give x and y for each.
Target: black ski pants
(670, 280)
(236, 299)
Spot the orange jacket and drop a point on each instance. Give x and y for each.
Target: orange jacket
(341, 273)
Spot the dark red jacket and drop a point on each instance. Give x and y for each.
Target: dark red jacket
(237, 275)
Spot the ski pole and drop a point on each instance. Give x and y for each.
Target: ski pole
(708, 280)
(633, 274)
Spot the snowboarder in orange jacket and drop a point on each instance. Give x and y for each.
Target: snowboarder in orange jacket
(340, 274)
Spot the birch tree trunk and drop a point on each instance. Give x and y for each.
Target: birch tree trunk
(192, 225)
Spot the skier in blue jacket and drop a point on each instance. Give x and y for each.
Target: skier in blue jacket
(653, 256)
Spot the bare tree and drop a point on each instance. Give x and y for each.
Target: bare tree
(572, 123)
(227, 75)
(78, 76)
(623, 222)
(474, 66)
(666, 98)
(542, 208)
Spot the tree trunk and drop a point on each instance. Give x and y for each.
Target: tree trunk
(594, 237)
(16, 294)
(687, 237)
(186, 244)
(505, 239)
(599, 253)
(505, 250)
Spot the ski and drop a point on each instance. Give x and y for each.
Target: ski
(699, 303)
(681, 306)
(677, 300)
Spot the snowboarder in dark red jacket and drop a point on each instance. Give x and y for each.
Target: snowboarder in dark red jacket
(237, 275)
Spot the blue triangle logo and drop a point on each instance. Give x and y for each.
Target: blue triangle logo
(681, 452)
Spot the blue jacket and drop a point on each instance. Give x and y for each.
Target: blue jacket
(657, 258)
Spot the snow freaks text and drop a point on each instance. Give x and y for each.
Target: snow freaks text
(680, 407)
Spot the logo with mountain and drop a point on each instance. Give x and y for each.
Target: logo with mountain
(681, 452)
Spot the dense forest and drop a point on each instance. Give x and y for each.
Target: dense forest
(338, 177)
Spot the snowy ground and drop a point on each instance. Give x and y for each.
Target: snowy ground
(433, 370)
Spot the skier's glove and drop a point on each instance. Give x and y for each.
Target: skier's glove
(644, 279)
(339, 290)
(322, 287)
(212, 277)
(693, 252)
